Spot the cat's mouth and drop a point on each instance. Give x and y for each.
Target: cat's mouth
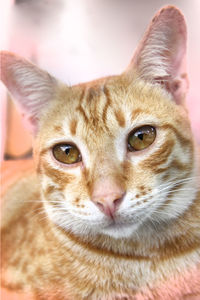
(118, 221)
(120, 230)
(122, 227)
(117, 225)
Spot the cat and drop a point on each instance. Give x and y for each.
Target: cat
(113, 209)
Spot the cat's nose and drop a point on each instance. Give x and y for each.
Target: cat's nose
(108, 198)
(108, 206)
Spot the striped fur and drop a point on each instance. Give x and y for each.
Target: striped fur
(58, 244)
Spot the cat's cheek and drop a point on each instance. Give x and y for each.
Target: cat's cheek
(77, 202)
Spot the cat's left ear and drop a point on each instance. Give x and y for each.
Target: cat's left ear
(31, 88)
(160, 56)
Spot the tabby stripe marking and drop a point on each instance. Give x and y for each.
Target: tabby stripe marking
(183, 140)
(59, 177)
(73, 126)
(80, 108)
(181, 166)
(49, 190)
(158, 157)
(108, 104)
(175, 164)
(92, 104)
(120, 118)
(58, 129)
(168, 200)
(135, 113)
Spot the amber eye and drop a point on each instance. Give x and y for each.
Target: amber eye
(141, 138)
(66, 153)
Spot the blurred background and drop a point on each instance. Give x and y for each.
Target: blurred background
(80, 40)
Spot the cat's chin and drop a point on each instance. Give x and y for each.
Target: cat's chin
(118, 231)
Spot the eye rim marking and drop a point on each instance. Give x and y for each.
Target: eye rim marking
(130, 148)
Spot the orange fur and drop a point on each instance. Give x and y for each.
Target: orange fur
(56, 242)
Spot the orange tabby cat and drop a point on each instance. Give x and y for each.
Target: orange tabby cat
(113, 211)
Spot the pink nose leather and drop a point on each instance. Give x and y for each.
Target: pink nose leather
(107, 196)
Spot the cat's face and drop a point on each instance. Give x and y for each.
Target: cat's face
(110, 180)
(113, 155)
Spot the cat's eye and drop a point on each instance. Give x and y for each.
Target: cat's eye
(66, 153)
(141, 138)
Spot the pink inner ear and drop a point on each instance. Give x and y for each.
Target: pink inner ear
(30, 123)
(31, 87)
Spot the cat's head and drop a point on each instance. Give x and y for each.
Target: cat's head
(114, 154)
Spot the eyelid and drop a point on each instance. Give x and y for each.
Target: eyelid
(64, 143)
(61, 140)
(141, 126)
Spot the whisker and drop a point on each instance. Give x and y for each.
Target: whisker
(180, 190)
(32, 201)
(175, 182)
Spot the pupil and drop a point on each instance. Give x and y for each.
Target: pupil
(67, 150)
(140, 136)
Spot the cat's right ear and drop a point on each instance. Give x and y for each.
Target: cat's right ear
(30, 87)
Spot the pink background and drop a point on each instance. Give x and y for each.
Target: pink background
(77, 40)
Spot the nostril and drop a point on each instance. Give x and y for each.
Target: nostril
(117, 202)
(100, 205)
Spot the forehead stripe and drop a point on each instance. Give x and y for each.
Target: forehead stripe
(108, 103)
(80, 108)
(73, 126)
(120, 118)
